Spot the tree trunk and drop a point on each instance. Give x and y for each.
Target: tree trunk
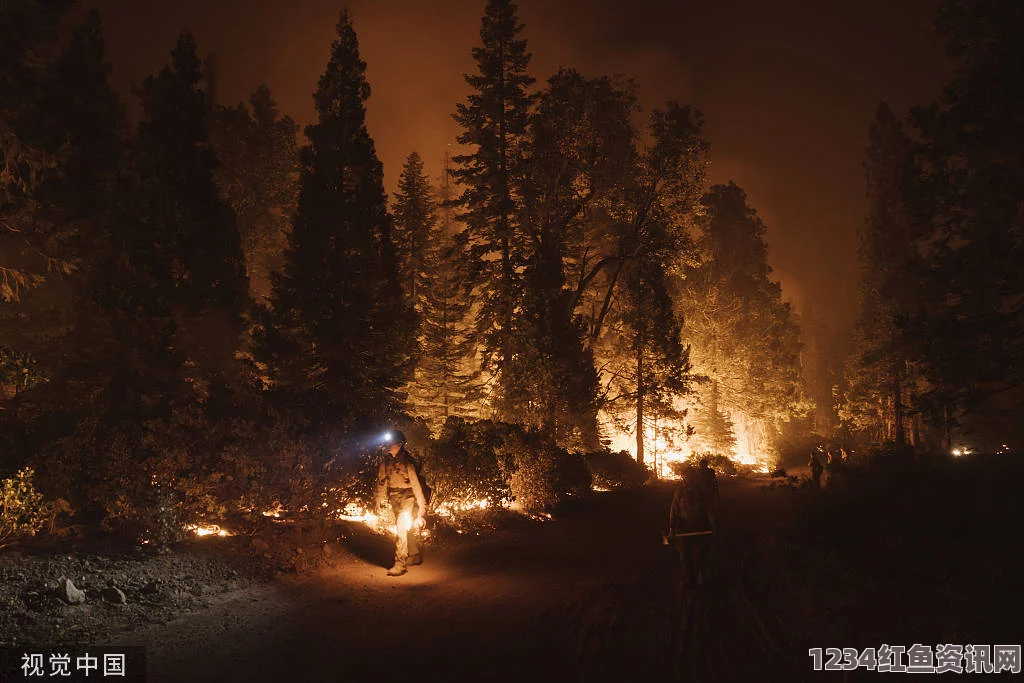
(640, 400)
(654, 460)
(900, 435)
(947, 429)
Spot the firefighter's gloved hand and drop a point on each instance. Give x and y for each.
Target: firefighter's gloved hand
(421, 521)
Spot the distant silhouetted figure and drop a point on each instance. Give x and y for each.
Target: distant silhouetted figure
(691, 521)
(708, 482)
(816, 469)
(834, 464)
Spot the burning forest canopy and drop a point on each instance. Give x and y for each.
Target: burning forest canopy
(207, 318)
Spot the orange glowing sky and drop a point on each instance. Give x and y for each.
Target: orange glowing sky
(788, 87)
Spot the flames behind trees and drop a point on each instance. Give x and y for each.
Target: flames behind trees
(553, 285)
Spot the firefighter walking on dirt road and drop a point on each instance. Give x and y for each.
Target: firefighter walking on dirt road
(816, 469)
(399, 485)
(692, 520)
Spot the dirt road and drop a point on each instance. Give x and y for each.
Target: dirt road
(587, 597)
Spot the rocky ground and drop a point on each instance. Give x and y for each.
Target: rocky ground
(64, 595)
(84, 588)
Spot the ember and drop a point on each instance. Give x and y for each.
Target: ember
(208, 530)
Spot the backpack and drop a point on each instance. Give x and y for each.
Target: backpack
(427, 491)
(689, 510)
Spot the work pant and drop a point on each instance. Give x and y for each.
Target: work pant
(694, 551)
(407, 542)
(694, 558)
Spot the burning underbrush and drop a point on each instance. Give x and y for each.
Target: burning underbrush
(477, 474)
(263, 483)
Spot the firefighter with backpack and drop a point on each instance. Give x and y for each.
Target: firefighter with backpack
(693, 519)
(399, 485)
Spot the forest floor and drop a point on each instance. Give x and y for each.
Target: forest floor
(896, 554)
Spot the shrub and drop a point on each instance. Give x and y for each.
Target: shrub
(680, 468)
(23, 511)
(350, 478)
(269, 465)
(540, 474)
(18, 371)
(573, 477)
(461, 465)
(472, 461)
(721, 464)
(531, 467)
(615, 470)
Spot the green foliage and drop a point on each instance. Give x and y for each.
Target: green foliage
(415, 230)
(575, 235)
(616, 470)
(126, 333)
(151, 477)
(500, 463)
(78, 120)
(122, 475)
(532, 472)
(579, 144)
(23, 510)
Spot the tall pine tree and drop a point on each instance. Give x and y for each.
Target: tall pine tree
(744, 337)
(208, 267)
(87, 119)
(415, 232)
(494, 121)
(636, 326)
(174, 133)
(30, 226)
(712, 426)
(579, 144)
(967, 194)
(77, 123)
(879, 397)
(342, 335)
(437, 284)
(258, 177)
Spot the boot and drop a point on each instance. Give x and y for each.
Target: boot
(415, 559)
(397, 570)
